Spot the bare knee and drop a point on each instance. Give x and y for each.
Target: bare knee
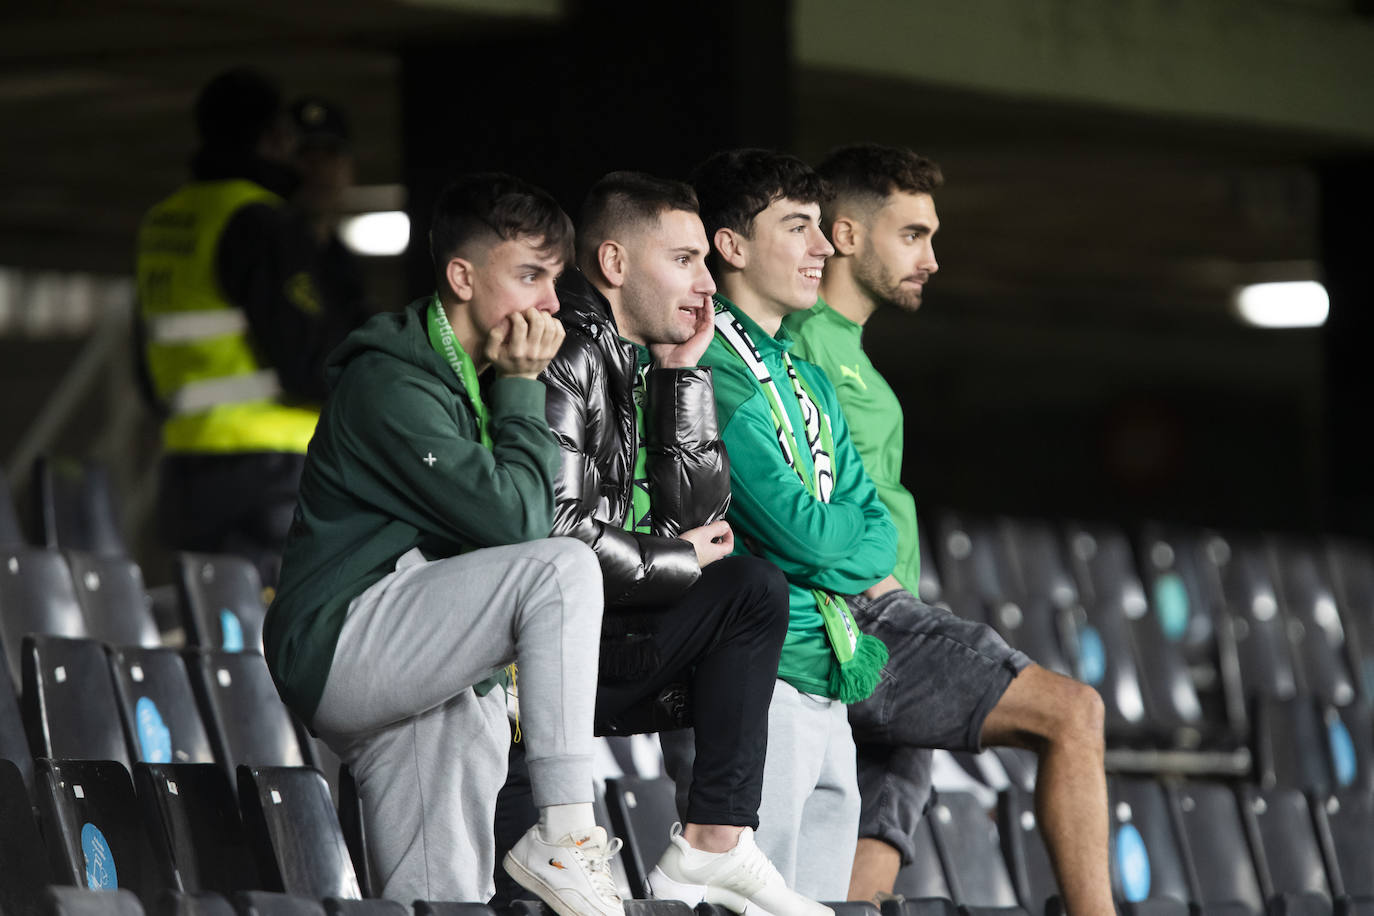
(1042, 708)
(1081, 718)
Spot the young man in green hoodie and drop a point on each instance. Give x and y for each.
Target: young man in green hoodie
(419, 566)
(881, 220)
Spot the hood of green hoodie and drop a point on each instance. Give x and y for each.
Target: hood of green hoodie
(401, 335)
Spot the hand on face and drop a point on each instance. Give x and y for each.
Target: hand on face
(686, 354)
(524, 344)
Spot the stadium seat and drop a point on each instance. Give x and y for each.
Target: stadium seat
(1315, 628)
(294, 831)
(1345, 823)
(923, 877)
(643, 812)
(1261, 630)
(1145, 858)
(932, 906)
(69, 704)
(350, 806)
(447, 908)
(76, 901)
(11, 534)
(931, 588)
(1351, 566)
(14, 741)
(24, 870)
(199, 816)
(36, 596)
(850, 908)
(242, 711)
(76, 508)
(222, 601)
(970, 852)
(1288, 859)
(1215, 846)
(334, 906)
(1289, 745)
(270, 903)
(113, 599)
(179, 903)
(159, 710)
(1023, 848)
(96, 837)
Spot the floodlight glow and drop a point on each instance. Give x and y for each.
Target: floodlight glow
(1297, 304)
(386, 232)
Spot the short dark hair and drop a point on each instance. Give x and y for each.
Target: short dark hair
(236, 109)
(868, 173)
(492, 206)
(737, 185)
(622, 201)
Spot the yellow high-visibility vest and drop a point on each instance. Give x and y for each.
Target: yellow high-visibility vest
(199, 353)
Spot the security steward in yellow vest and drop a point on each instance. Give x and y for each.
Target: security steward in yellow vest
(233, 329)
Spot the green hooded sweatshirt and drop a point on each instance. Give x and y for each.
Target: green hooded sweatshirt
(842, 546)
(397, 463)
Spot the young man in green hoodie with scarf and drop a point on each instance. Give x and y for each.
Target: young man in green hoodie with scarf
(419, 566)
(881, 220)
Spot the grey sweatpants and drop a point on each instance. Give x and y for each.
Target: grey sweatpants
(428, 754)
(809, 813)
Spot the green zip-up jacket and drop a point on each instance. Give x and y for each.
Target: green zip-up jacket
(397, 463)
(833, 342)
(842, 546)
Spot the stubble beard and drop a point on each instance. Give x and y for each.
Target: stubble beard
(879, 285)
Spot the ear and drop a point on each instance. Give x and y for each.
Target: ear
(730, 245)
(611, 259)
(459, 275)
(846, 234)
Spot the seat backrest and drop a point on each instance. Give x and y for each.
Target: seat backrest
(159, 710)
(1346, 820)
(14, 741)
(334, 906)
(78, 901)
(1034, 565)
(96, 836)
(222, 601)
(643, 812)
(242, 711)
(970, 851)
(1288, 858)
(1023, 847)
(179, 903)
(76, 507)
(69, 704)
(1315, 628)
(1351, 568)
(113, 599)
(292, 826)
(923, 876)
(195, 805)
(1289, 744)
(11, 533)
(932, 906)
(269, 903)
(1145, 857)
(1215, 845)
(447, 908)
(36, 596)
(24, 870)
(1257, 619)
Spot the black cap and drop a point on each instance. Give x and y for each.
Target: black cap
(321, 123)
(236, 109)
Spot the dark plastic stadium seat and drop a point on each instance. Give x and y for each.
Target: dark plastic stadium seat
(1053, 619)
(923, 877)
(334, 906)
(931, 588)
(852, 907)
(1215, 846)
(69, 703)
(159, 710)
(24, 867)
(199, 817)
(1261, 629)
(36, 596)
(11, 534)
(270, 903)
(1288, 858)
(643, 812)
(96, 837)
(76, 508)
(970, 852)
(929, 906)
(1289, 745)
(76, 901)
(632, 908)
(242, 711)
(1112, 591)
(179, 903)
(448, 908)
(1345, 823)
(350, 805)
(14, 741)
(113, 599)
(293, 828)
(1351, 565)
(1145, 858)
(1162, 906)
(1315, 628)
(1024, 850)
(222, 601)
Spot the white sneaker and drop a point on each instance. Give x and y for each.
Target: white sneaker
(742, 880)
(573, 875)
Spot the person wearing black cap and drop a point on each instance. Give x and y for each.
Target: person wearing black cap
(233, 328)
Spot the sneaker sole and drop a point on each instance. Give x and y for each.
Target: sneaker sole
(661, 887)
(537, 886)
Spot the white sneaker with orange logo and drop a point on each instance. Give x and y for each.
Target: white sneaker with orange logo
(573, 876)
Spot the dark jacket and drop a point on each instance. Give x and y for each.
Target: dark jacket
(590, 408)
(397, 463)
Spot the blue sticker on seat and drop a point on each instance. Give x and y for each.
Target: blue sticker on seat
(1343, 757)
(154, 737)
(1092, 658)
(1171, 605)
(100, 865)
(233, 631)
(1132, 863)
